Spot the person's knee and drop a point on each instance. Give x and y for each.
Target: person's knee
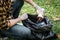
(25, 32)
(21, 31)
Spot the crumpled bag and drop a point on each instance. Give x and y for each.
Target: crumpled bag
(41, 30)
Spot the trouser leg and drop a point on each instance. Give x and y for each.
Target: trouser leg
(18, 31)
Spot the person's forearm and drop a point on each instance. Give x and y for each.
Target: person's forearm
(13, 21)
(40, 11)
(33, 4)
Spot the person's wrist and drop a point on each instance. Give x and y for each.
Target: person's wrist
(39, 15)
(19, 19)
(24, 16)
(36, 7)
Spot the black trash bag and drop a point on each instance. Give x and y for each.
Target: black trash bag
(41, 30)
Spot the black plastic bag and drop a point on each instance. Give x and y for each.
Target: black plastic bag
(41, 30)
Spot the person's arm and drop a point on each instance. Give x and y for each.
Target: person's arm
(38, 9)
(15, 21)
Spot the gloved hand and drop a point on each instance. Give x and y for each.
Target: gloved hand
(24, 16)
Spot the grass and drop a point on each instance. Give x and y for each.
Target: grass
(56, 26)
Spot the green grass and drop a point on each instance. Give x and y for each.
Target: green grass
(56, 26)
